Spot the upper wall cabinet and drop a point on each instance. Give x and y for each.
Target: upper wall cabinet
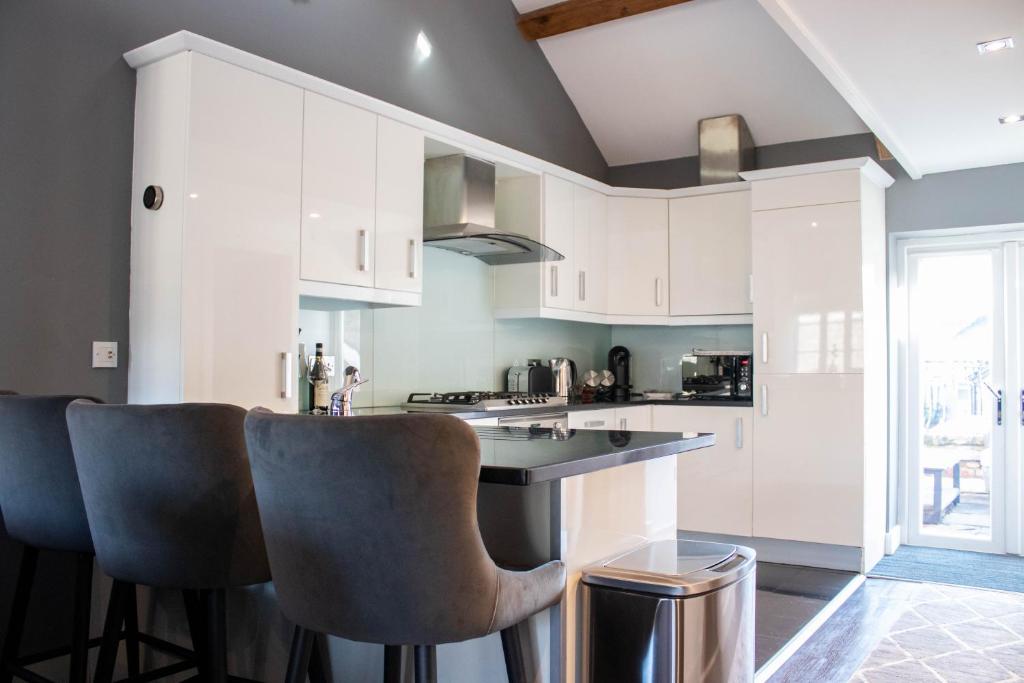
(215, 268)
(339, 178)
(709, 248)
(399, 227)
(559, 234)
(590, 250)
(638, 263)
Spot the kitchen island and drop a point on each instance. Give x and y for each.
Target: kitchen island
(576, 495)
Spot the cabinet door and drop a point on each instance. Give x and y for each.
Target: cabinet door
(809, 458)
(637, 256)
(590, 249)
(634, 419)
(240, 242)
(716, 483)
(339, 178)
(592, 419)
(709, 246)
(559, 233)
(399, 221)
(807, 284)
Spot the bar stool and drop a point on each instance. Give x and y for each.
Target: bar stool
(371, 529)
(170, 503)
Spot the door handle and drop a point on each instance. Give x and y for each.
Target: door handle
(764, 347)
(739, 433)
(764, 400)
(592, 424)
(286, 374)
(750, 287)
(583, 286)
(622, 423)
(1022, 407)
(554, 280)
(657, 292)
(998, 395)
(412, 259)
(364, 251)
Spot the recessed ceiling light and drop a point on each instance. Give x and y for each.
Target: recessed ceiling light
(1011, 118)
(995, 45)
(423, 46)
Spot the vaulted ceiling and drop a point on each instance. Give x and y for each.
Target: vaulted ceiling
(802, 69)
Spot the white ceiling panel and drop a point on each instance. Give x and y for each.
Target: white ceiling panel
(912, 71)
(642, 83)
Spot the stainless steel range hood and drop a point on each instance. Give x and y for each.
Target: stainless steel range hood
(458, 214)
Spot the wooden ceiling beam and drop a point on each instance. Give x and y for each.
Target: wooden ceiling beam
(576, 14)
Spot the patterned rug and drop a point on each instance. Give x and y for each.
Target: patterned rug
(951, 634)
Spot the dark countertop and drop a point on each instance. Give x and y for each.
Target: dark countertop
(572, 407)
(519, 456)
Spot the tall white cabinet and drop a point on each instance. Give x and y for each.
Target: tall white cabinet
(819, 362)
(215, 269)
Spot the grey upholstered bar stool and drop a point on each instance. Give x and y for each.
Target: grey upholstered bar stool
(372, 533)
(169, 497)
(42, 506)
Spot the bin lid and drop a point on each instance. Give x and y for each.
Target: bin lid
(674, 568)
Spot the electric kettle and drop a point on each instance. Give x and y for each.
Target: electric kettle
(563, 375)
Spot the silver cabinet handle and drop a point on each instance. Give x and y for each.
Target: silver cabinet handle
(739, 433)
(412, 259)
(364, 251)
(622, 423)
(764, 400)
(583, 285)
(657, 292)
(1022, 407)
(554, 280)
(593, 423)
(750, 288)
(764, 347)
(286, 374)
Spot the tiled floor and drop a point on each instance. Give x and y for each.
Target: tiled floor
(787, 598)
(950, 634)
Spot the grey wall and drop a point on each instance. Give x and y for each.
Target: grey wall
(66, 136)
(982, 196)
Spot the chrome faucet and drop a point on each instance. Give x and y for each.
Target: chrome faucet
(341, 400)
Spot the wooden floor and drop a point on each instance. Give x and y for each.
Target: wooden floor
(915, 633)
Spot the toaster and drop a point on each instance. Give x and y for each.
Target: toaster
(532, 378)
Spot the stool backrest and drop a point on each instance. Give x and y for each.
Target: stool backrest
(371, 525)
(169, 493)
(39, 491)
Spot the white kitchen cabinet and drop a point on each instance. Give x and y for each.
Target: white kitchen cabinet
(590, 248)
(638, 264)
(809, 291)
(716, 483)
(809, 458)
(601, 418)
(633, 419)
(709, 249)
(215, 270)
(398, 230)
(339, 182)
(559, 233)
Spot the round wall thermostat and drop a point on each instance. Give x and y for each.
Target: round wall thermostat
(153, 197)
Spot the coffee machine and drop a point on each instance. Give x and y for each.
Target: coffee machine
(618, 362)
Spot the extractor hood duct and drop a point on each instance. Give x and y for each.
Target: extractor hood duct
(458, 214)
(726, 148)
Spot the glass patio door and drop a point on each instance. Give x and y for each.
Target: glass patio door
(956, 397)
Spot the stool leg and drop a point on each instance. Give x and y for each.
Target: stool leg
(111, 634)
(319, 662)
(217, 635)
(79, 663)
(301, 652)
(131, 630)
(19, 610)
(426, 663)
(515, 659)
(392, 664)
(196, 621)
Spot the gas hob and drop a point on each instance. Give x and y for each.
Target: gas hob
(472, 401)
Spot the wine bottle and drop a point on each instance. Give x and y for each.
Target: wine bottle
(318, 378)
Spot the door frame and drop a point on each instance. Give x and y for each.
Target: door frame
(1008, 237)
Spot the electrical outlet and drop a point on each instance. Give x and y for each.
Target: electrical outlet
(104, 354)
